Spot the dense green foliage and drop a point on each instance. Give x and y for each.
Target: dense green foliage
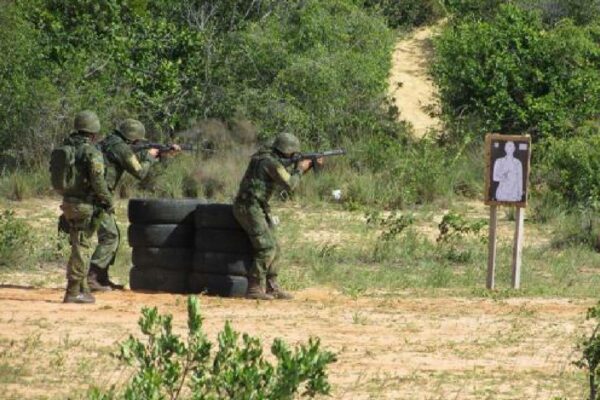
(318, 68)
(513, 76)
(527, 67)
(571, 167)
(408, 13)
(15, 240)
(167, 367)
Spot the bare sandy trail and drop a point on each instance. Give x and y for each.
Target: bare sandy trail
(410, 84)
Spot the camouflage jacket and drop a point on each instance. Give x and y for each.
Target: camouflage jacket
(264, 174)
(120, 159)
(90, 185)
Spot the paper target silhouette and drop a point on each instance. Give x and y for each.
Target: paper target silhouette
(507, 160)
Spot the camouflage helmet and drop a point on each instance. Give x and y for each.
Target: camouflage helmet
(287, 143)
(132, 129)
(87, 121)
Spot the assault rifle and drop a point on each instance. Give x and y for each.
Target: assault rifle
(162, 148)
(313, 156)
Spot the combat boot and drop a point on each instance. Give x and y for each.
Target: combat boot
(275, 290)
(94, 280)
(255, 291)
(81, 298)
(73, 294)
(104, 280)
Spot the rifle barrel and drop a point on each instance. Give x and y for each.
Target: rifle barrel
(336, 152)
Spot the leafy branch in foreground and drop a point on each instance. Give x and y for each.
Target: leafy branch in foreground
(590, 359)
(169, 368)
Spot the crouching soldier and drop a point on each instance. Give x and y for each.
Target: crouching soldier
(119, 158)
(266, 172)
(77, 171)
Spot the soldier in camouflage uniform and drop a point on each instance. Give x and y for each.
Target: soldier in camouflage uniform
(119, 159)
(265, 173)
(89, 194)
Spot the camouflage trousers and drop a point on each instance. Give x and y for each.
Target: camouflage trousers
(256, 222)
(79, 218)
(108, 240)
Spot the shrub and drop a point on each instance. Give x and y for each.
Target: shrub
(473, 9)
(167, 367)
(408, 13)
(317, 67)
(510, 75)
(551, 11)
(15, 240)
(590, 349)
(579, 227)
(571, 168)
(459, 238)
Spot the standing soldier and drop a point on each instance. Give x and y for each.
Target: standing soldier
(119, 159)
(77, 170)
(265, 172)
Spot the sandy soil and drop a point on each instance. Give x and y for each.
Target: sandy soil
(410, 84)
(389, 348)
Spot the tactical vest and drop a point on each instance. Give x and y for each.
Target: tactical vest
(114, 171)
(256, 184)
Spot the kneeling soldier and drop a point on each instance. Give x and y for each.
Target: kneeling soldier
(265, 173)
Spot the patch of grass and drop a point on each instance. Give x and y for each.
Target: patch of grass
(24, 184)
(16, 241)
(10, 373)
(417, 263)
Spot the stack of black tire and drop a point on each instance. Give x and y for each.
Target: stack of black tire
(161, 235)
(223, 252)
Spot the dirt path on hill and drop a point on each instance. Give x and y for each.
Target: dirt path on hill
(388, 348)
(410, 85)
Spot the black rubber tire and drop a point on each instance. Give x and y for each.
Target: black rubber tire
(221, 263)
(171, 258)
(143, 235)
(222, 241)
(218, 285)
(162, 211)
(216, 216)
(158, 280)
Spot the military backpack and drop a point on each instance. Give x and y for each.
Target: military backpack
(62, 168)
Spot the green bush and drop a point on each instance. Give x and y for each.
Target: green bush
(509, 74)
(167, 367)
(318, 68)
(590, 357)
(551, 11)
(16, 242)
(473, 9)
(571, 168)
(408, 13)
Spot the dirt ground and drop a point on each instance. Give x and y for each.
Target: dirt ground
(388, 347)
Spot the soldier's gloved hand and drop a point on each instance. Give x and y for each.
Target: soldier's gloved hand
(154, 152)
(304, 165)
(320, 161)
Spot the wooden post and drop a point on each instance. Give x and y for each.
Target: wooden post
(518, 247)
(491, 272)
